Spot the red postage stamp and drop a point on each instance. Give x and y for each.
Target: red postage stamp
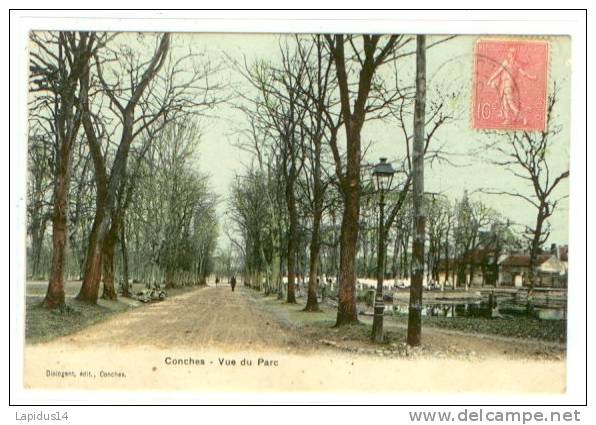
(510, 86)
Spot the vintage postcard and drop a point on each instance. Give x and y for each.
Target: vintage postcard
(297, 212)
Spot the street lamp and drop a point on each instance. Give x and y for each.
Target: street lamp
(383, 174)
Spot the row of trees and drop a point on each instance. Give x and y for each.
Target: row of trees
(113, 124)
(112, 153)
(305, 116)
(306, 204)
(457, 231)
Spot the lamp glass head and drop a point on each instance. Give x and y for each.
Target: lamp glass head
(383, 173)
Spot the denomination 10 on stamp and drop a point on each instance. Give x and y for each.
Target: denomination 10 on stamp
(510, 85)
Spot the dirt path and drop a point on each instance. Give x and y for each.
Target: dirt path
(217, 318)
(209, 317)
(211, 339)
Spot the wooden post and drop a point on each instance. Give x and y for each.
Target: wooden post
(415, 307)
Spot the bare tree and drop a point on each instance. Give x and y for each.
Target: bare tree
(106, 201)
(266, 164)
(321, 126)
(354, 108)
(472, 218)
(57, 62)
(526, 156)
(143, 96)
(439, 222)
(246, 212)
(171, 231)
(278, 113)
(39, 192)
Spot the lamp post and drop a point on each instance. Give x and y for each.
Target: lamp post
(383, 174)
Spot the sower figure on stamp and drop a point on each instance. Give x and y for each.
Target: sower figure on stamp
(503, 80)
(233, 282)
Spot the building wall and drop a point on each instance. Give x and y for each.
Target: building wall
(551, 273)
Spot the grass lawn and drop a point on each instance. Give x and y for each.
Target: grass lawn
(44, 325)
(519, 327)
(462, 338)
(321, 325)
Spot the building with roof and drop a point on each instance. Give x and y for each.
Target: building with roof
(481, 267)
(551, 270)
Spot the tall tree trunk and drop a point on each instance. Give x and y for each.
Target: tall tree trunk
(276, 262)
(90, 287)
(346, 309)
(93, 263)
(55, 293)
(415, 306)
(312, 304)
(93, 258)
(67, 122)
(291, 260)
(395, 257)
(277, 273)
(124, 250)
(169, 277)
(38, 231)
(353, 121)
(447, 258)
(109, 249)
(534, 250)
(364, 247)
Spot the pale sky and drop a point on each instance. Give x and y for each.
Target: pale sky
(450, 68)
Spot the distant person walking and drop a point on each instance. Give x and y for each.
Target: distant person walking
(233, 283)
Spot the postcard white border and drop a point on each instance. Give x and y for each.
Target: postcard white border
(430, 22)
